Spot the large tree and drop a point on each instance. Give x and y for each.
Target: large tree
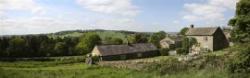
(138, 38)
(183, 31)
(60, 49)
(4, 44)
(241, 22)
(187, 44)
(112, 40)
(157, 37)
(17, 47)
(87, 43)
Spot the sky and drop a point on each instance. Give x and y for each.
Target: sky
(47, 16)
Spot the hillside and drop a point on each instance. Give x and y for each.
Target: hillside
(102, 33)
(208, 65)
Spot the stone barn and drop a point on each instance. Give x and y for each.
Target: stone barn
(208, 38)
(125, 51)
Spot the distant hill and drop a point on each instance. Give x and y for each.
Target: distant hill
(102, 33)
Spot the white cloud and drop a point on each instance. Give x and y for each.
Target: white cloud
(21, 5)
(176, 22)
(230, 4)
(36, 25)
(118, 24)
(117, 7)
(43, 23)
(210, 11)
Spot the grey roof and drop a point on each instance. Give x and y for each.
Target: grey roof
(205, 31)
(106, 50)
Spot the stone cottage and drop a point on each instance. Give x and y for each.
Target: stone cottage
(125, 51)
(208, 38)
(171, 42)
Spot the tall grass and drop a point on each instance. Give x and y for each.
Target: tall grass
(77, 70)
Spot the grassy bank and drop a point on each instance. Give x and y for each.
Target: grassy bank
(34, 69)
(54, 70)
(207, 65)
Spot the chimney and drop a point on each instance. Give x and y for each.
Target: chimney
(192, 26)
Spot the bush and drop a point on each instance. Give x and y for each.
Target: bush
(95, 59)
(205, 50)
(181, 51)
(240, 62)
(167, 66)
(164, 51)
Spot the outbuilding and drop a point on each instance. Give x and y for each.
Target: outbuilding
(125, 51)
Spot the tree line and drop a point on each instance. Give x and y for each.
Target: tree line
(37, 46)
(51, 46)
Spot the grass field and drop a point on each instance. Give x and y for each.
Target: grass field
(34, 69)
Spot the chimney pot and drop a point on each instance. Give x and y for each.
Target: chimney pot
(192, 26)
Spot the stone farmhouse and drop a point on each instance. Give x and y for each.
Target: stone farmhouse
(125, 51)
(208, 38)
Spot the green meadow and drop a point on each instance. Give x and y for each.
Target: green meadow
(32, 69)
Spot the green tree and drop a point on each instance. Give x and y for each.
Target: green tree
(34, 45)
(2, 50)
(60, 49)
(187, 43)
(239, 62)
(87, 43)
(164, 51)
(157, 37)
(131, 39)
(3, 46)
(17, 47)
(116, 41)
(110, 40)
(241, 22)
(46, 47)
(183, 31)
(71, 42)
(141, 38)
(137, 38)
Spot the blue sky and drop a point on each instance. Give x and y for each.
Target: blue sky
(45, 16)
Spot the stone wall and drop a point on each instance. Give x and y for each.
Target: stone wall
(204, 42)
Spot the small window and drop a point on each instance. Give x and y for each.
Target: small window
(205, 38)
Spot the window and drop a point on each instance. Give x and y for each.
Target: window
(205, 38)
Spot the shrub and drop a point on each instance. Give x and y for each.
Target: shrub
(95, 59)
(240, 61)
(204, 50)
(181, 51)
(167, 66)
(164, 51)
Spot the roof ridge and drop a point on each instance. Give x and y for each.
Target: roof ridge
(205, 27)
(202, 31)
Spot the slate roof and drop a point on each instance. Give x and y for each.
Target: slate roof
(205, 31)
(106, 50)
